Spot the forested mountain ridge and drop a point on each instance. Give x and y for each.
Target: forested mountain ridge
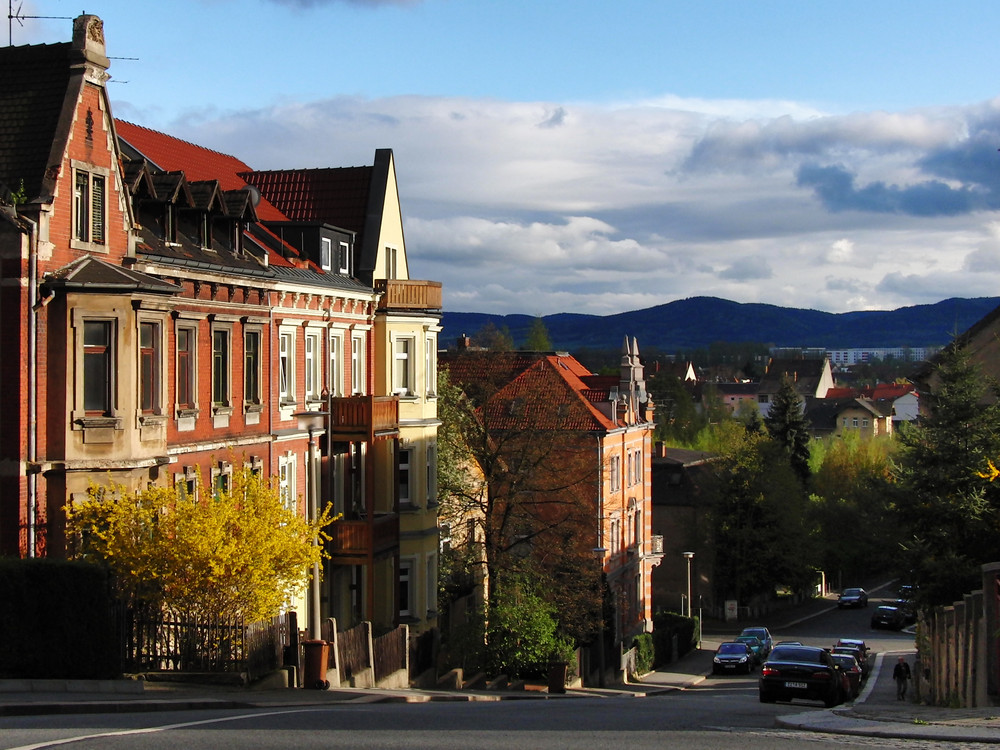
(697, 322)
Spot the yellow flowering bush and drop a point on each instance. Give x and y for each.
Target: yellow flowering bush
(236, 551)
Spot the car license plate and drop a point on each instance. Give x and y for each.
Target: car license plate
(799, 685)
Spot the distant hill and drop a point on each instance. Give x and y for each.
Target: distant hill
(696, 322)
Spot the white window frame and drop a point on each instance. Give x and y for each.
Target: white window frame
(402, 365)
(335, 370)
(407, 569)
(253, 400)
(311, 378)
(357, 364)
(345, 258)
(190, 327)
(326, 253)
(286, 365)
(431, 480)
(286, 481)
(430, 366)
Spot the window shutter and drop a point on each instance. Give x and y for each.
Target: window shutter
(97, 209)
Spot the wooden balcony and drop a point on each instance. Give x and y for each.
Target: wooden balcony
(408, 295)
(361, 540)
(364, 418)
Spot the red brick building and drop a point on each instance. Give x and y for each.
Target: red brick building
(171, 321)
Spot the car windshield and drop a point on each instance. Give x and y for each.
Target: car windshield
(758, 632)
(852, 592)
(796, 653)
(733, 648)
(888, 610)
(750, 639)
(845, 660)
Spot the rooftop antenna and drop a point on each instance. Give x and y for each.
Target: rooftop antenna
(16, 15)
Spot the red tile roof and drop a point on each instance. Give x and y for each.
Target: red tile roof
(334, 195)
(197, 162)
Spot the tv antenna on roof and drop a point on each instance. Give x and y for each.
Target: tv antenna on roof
(16, 15)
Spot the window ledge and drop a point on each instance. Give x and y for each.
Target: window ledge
(152, 419)
(100, 423)
(183, 413)
(222, 411)
(253, 408)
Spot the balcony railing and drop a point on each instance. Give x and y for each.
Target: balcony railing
(364, 417)
(408, 295)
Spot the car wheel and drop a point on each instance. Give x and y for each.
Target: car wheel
(832, 700)
(765, 698)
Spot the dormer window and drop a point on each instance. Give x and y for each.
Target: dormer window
(205, 230)
(326, 254)
(345, 258)
(169, 223)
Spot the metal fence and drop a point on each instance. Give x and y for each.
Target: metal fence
(155, 641)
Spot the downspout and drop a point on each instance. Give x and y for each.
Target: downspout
(32, 452)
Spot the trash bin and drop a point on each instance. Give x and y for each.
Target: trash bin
(557, 676)
(317, 656)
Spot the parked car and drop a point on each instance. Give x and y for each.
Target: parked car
(855, 642)
(905, 601)
(800, 672)
(860, 656)
(850, 668)
(887, 616)
(763, 634)
(733, 656)
(852, 597)
(755, 646)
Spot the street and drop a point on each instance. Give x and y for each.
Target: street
(720, 713)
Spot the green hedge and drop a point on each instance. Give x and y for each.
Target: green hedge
(55, 621)
(644, 653)
(665, 626)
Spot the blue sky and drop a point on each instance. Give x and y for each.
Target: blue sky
(595, 157)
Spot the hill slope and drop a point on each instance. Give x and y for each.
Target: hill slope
(696, 322)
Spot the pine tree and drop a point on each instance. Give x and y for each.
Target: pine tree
(538, 337)
(945, 495)
(788, 426)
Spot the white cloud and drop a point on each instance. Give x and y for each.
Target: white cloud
(545, 207)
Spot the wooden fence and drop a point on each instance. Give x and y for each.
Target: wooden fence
(389, 653)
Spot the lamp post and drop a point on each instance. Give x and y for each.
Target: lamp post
(599, 554)
(312, 421)
(689, 556)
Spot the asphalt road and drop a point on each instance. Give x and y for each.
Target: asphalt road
(720, 713)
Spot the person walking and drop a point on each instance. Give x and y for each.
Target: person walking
(901, 674)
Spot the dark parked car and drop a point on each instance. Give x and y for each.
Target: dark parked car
(905, 601)
(887, 616)
(853, 598)
(763, 634)
(800, 672)
(860, 656)
(733, 656)
(852, 670)
(755, 646)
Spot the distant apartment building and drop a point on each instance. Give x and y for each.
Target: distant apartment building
(848, 357)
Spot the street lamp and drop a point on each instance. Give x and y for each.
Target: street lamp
(689, 556)
(313, 421)
(599, 554)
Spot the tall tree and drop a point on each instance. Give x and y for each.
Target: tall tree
(509, 467)
(494, 339)
(945, 498)
(759, 523)
(538, 337)
(788, 426)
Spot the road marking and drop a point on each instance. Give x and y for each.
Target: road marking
(162, 728)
